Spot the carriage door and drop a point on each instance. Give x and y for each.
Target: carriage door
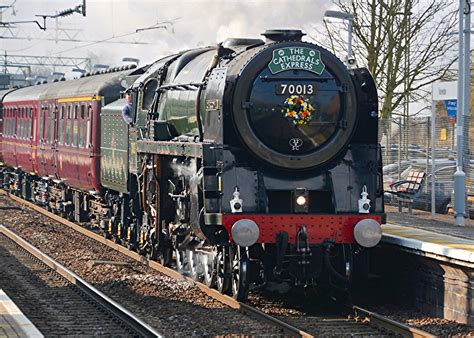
(42, 141)
(55, 136)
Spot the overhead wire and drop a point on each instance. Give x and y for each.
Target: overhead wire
(96, 42)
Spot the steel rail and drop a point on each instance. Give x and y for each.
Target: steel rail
(111, 306)
(390, 324)
(229, 301)
(375, 319)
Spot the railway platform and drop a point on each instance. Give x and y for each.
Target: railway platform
(437, 238)
(13, 323)
(430, 262)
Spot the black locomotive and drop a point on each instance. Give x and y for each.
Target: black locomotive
(249, 162)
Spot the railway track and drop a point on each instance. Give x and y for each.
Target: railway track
(360, 322)
(71, 305)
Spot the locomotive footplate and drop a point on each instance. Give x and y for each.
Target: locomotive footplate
(318, 228)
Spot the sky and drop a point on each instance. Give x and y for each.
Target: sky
(193, 23)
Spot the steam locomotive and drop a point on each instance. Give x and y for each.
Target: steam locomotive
(245, 163)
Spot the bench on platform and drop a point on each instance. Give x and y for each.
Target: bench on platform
(406, 190)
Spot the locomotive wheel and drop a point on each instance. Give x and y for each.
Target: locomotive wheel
(181, 261)
(209, 270)
(193, 264)
(223, 278)
(240, 266)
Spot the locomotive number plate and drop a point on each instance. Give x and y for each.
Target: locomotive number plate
(295, 89)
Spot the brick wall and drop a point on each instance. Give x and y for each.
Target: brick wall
(434, 287)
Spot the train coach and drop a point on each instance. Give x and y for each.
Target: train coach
(51, 138)
(247, 163)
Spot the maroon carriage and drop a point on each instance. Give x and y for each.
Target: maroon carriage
(52, 132)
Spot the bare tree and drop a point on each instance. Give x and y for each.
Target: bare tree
(405, 44)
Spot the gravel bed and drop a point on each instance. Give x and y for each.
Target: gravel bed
(296, 305)
(175, 308)
(314, 314)
(55, 306)
(434, 325)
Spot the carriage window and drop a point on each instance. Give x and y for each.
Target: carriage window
(149, 93)
(43, 112)
(54, 116)
(18, 127)
(48, 126)
(17, 122)
(68, 132)
(25, 123)
(19, 132)
(75, 132)
(32, 131)
(69, 111)
(83, 111)
(76, 108)
(29, 129)
(9, 121)
(61, 129)
(82, 133)
(14, 122)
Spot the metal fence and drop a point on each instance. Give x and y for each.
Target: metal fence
(406, 147)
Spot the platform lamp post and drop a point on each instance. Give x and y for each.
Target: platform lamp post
(350, 19)
(464, 78)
